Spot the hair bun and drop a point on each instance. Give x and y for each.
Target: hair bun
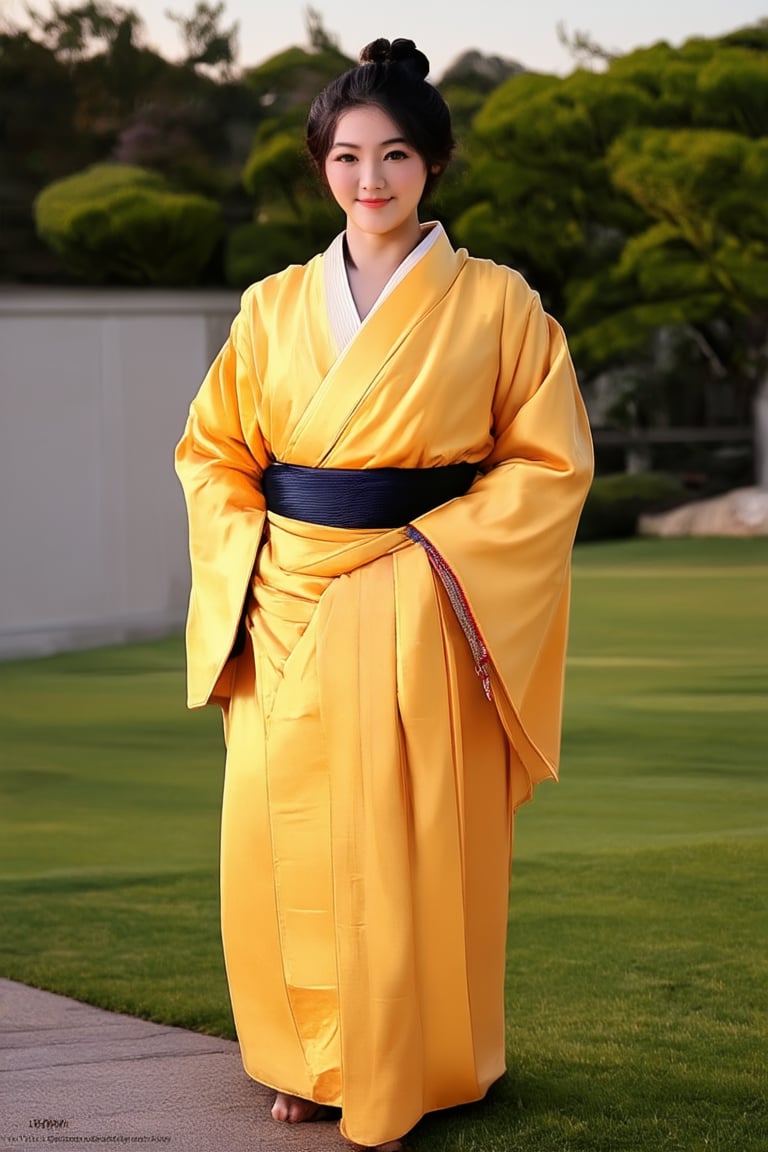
(405, 52)
(402, 52)
(377, 52)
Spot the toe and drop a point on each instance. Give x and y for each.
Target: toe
(280, 1108)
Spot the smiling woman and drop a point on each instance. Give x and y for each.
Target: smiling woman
(384, 469)
(380, 147)
(377, 178)
(372, 166)
(416, 107)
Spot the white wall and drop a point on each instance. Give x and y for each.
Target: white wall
(94, 391)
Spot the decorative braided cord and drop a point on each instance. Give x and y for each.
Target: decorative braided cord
(461, 607)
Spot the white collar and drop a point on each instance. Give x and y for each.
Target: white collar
(342, 312)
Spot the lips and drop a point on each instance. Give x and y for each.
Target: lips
(373, 203)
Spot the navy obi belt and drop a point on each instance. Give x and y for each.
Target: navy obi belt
(362, 497)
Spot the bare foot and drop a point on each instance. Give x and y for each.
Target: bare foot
(295, 1110)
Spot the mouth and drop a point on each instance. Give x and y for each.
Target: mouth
(380, 203)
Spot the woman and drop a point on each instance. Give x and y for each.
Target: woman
(384, 469)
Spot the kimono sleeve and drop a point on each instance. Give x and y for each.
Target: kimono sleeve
(508, 542)
(219, 461)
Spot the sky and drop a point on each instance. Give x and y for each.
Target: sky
(443, 29)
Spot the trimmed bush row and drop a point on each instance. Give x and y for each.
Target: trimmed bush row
(117, 222)
(615, 503)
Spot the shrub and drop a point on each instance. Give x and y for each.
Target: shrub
(276, 167)
(615, 502)
(123, 224)
(265, 246)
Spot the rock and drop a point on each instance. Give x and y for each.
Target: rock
(742, 512)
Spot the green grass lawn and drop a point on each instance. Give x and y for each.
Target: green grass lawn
(637, 976)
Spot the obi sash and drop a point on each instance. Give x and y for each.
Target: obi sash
(362, 497)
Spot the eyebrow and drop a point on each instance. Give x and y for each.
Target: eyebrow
(384, 143)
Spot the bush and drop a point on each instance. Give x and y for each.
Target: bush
(615, 502)
(263, 247)
(123, 224)
(276, 166)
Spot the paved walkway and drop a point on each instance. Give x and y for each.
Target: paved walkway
(75, 1076)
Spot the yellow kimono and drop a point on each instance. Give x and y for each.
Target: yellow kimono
(370, 781)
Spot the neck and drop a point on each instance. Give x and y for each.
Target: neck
(380, 255)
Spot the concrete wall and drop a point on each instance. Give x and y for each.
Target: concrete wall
(94, 391)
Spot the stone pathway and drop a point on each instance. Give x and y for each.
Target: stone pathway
(73, 1076)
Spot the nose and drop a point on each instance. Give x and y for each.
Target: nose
(372, 176)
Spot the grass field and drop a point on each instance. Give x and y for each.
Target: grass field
(637, 978)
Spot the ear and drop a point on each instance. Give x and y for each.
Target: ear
(436, 169)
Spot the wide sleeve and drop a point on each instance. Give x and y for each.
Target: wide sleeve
(508, 542)
(219, 461)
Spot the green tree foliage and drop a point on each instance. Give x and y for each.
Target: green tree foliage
(262, 247)
(634, 199)
(468, 81)
(293, 215)
(78, 87)
(704, 252)
(538, 161)
(277, 169)
(37, 143)
(125, 225)
(291, 79)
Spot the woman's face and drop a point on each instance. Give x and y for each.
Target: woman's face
(375, 176)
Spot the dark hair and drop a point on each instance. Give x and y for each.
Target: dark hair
(393, 78)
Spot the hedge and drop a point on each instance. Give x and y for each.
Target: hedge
(122, 224)
(615, 503)
(258, 249)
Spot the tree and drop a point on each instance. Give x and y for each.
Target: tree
(701, 264)
(292, 78)
(634, 199)
(37, 143)
(177, 140)
(292, 218)
(277, 168)
(539, 177)
(73, 33)
(583, 49)
(79, 87)
(468, 81)
(320, 39)
(205, 41)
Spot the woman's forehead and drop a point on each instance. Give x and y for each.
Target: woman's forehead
(366, 124)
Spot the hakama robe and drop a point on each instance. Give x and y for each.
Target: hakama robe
(370, 782)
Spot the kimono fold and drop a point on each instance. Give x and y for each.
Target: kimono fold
(370, 783)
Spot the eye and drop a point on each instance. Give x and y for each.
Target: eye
(345, 157)
(396, 154)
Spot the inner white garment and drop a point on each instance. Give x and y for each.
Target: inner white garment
(342, 312)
